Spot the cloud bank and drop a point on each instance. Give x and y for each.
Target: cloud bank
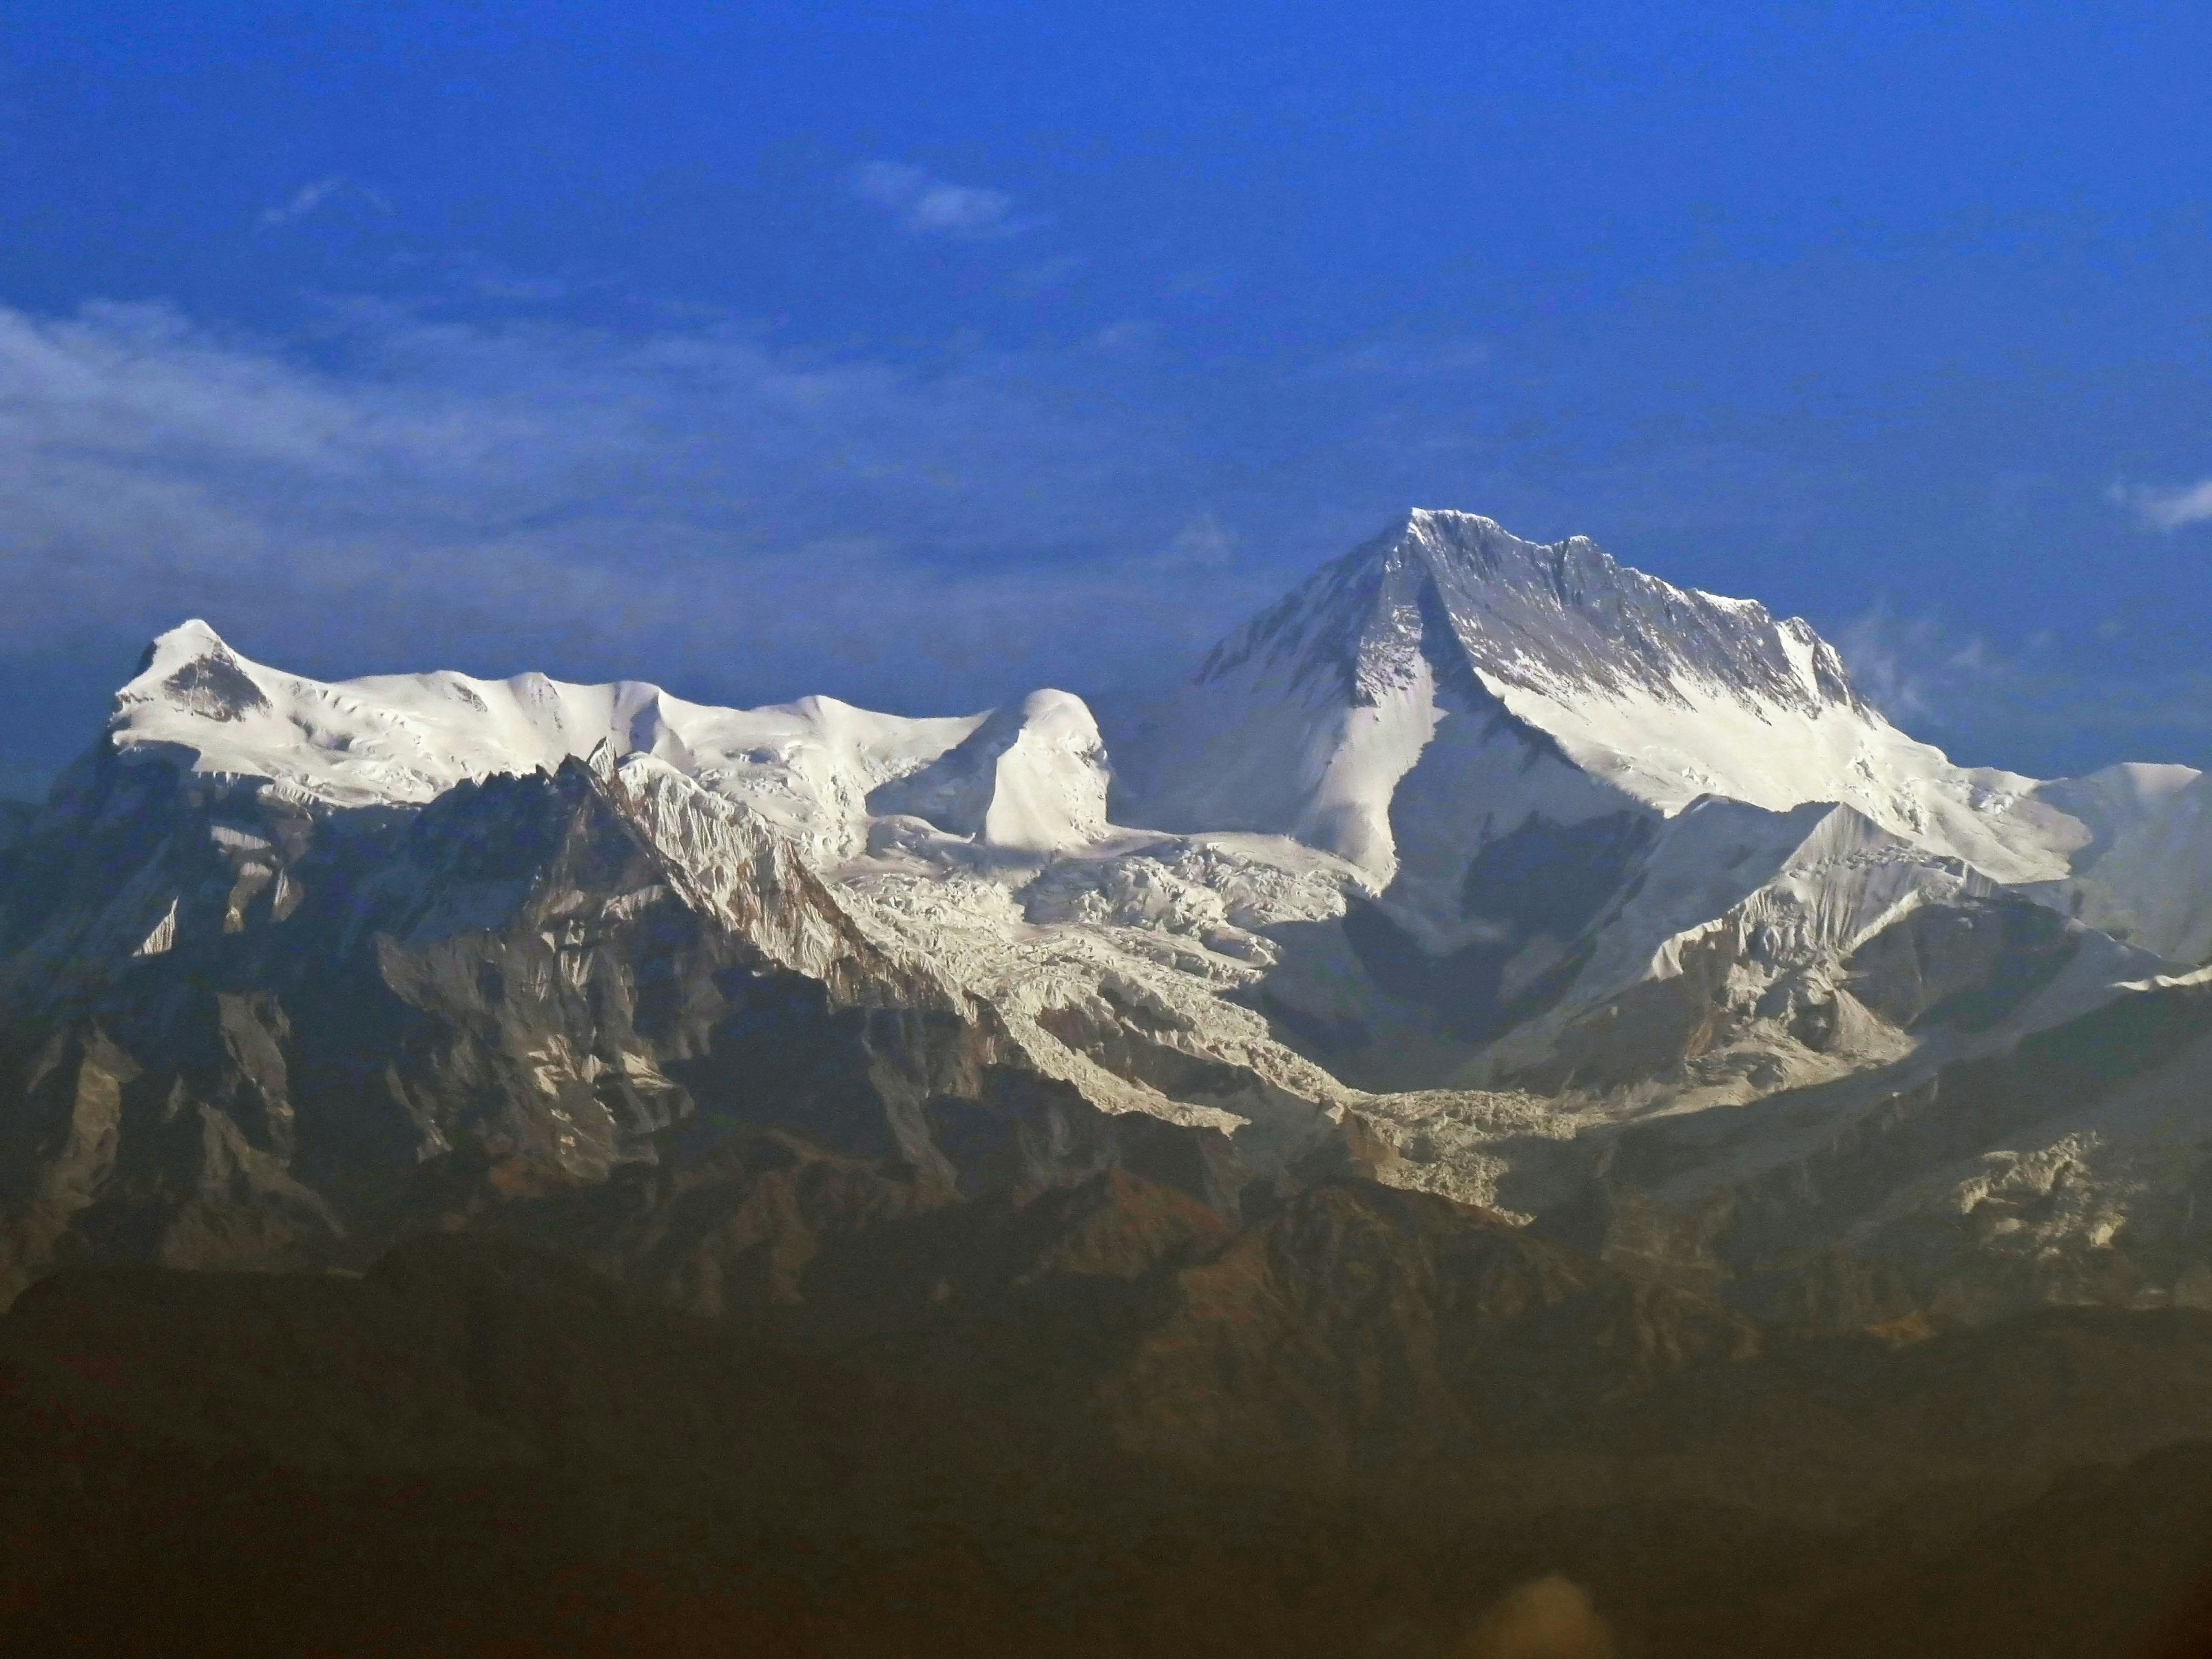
(681, 506)
(744, 522)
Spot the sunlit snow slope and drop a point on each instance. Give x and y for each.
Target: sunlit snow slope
(406, 738)
(1436, 687)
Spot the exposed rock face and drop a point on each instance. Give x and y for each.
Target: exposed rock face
(528, 987)
(2068, 1167)
(1562, 1073)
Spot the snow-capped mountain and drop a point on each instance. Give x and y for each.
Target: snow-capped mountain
(404, 739)
(1475, 862)
(1437, 687)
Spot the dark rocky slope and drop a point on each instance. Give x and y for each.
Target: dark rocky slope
(342, 1026)
(1080, 1423)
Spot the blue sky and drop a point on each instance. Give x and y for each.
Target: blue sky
(926, 354)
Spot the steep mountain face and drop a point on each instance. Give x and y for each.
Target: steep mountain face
(1615, 834)
(1441, 685)
(2068, 1166)
(246, 1031)
(1493, 869)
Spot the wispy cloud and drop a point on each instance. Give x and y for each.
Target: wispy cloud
(928, 205)
(2170, 508)
(1914, 668)
(2047, 704)
(311, 197)
(492, 285)
(1203, 543)
(693, 505)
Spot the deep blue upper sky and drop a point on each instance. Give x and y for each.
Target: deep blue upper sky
(924, 354)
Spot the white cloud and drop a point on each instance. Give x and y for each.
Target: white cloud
(2169, 510)
(493, 286)
(2025, 707)
(1046, 275)
(929, 206)
(308, 199)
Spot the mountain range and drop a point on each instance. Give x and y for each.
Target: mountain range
(1607, 904)
(1501, 1015)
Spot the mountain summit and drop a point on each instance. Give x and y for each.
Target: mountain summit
(1562, 619)
(1445, 682)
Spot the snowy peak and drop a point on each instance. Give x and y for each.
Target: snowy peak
(1568, 617)
(404, 739)
(1431, 690)
(191, 670)
(1562, 619)
(1031, 778)
(2144, 873)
